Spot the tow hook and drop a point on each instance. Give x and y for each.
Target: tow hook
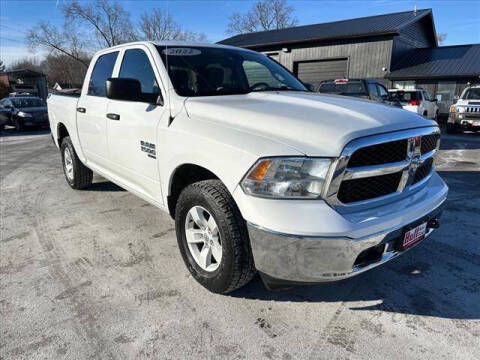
(433, 223)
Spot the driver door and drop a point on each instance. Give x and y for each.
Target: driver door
(132, 126)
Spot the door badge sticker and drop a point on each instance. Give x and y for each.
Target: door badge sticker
(148, 148)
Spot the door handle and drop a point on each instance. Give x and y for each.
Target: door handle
(113, 116)
(81, 110)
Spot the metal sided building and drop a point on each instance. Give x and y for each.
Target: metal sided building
(399, 50)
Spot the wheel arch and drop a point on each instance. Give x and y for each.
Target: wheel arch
(183, 176)
(62, 132)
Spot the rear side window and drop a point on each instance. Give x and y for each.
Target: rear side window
(101, 72)
(136, 65)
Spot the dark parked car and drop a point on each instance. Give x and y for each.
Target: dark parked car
(23, 111)
(361, 88)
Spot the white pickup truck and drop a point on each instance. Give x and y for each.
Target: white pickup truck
(259, 173)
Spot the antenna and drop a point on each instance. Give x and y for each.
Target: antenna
(415, 10)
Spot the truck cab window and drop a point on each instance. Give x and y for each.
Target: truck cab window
(101, 72)
(136, 65)
(382, 92)
(373, 90)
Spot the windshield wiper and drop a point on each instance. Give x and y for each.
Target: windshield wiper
(280, 88)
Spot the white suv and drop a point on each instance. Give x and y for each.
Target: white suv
(416, 100)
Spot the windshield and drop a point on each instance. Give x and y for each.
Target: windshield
(472, 94)
(350, 88)
(207, 71)
(28, 102)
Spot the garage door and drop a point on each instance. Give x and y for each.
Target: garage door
(315, 71)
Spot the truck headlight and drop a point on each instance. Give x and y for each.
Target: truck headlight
(287, 178)
(24, 114)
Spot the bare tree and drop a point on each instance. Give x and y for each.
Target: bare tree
(156, 25)
(110, 22)
(26, 63)
(63, 69)
(441, 37)
(53, 40)
(264, 15)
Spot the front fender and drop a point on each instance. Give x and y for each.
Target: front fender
(226, 152)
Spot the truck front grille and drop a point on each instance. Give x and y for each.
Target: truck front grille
(423, 171)
(472, 109)
(369, 187)
(380, 154)
(372, 168)
(429, 143)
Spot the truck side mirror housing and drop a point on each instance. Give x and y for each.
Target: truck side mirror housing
(123, 89)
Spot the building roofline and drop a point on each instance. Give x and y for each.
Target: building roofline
(422, 14)
(312, 40)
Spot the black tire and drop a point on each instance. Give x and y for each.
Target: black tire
(82, 176)
(19, 125)
(236, 267)
(451, 128)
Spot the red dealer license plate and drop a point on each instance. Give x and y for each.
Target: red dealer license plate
(414, 235)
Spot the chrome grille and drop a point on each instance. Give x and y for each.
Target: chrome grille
(368, 188)
(472, 109)
(379, 154)
(375, 168)
(429, 143)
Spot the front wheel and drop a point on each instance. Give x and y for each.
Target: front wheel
(213, 238)
(19, 125)
(78, 175)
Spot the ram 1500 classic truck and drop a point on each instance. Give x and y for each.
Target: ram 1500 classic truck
(258, 173)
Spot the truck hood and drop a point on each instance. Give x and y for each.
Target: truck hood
(313, 124)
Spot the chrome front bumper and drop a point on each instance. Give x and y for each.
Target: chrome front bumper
(308, 259)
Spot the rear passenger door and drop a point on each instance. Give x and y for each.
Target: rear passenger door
(92, 110)
(429, 104)
(132, 132)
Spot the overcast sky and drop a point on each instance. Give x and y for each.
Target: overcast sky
(458, 19)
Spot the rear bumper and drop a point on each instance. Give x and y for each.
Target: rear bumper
(301, 258)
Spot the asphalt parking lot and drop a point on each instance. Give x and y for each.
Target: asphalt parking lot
(96, 274)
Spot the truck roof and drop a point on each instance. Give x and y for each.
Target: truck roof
(175, 43)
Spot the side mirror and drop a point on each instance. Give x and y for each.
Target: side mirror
(310, 87)
(123, 89)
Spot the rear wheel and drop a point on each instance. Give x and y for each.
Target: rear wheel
(77, 175)
(213, 238)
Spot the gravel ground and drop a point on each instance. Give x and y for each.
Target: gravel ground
(96, 274)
